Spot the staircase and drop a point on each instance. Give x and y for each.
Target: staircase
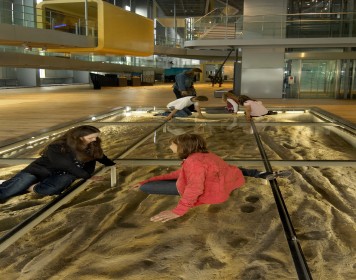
(220, 31)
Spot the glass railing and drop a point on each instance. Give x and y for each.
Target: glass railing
(30, 16)
(214, 27)
(169, 42)
(311, 25)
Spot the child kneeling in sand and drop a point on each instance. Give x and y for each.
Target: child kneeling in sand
(180, 107)
(204, 178)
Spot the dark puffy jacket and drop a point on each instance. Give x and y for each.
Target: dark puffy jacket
(54, 161)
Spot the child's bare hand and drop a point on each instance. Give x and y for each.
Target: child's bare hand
(135, 187)
(97, 178)
(164, 216)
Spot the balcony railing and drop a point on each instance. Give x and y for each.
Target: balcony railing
(311, 25)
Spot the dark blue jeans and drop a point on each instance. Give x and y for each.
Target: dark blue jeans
(180, 113)
(250, 172)
(54, 184)
(22, 181)
(160, 187)
(183, 113)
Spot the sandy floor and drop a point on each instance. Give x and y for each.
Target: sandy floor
(105, 233)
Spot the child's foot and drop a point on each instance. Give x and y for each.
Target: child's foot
(273, 175)
(30, 189)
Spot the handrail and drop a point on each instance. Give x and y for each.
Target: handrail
(199, 19)
(219, 72)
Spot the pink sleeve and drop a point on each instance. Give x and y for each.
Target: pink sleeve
(170, 176)
(196, 174)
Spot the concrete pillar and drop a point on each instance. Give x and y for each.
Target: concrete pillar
(262, 68)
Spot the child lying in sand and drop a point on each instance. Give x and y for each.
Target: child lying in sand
(204, 178)
(70, 157)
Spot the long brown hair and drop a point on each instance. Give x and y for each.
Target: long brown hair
(243, 98)
(230, 94)
(188, 144)
(71, 142)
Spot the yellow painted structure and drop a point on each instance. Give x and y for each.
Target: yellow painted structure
(118, 31)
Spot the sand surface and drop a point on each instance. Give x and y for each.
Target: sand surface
(105, 233)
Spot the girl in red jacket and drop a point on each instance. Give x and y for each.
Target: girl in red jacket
(204, 177)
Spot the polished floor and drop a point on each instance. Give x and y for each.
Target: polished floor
(27, 111)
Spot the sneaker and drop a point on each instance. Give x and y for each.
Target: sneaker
(273, 175)
(2, 181)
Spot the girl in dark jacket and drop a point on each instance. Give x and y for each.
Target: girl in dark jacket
(70, 157)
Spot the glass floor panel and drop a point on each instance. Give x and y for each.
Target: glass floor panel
(319, 196)
(120, 136)
(222, 141)
(307, 142)
(321, 205)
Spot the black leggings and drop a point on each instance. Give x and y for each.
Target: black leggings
(169, 187)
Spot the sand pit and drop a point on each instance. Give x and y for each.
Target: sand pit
(105, 233)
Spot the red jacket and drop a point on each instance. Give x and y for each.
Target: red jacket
(204, 178)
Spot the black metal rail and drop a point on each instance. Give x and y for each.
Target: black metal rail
(300, 263)
(320, 113)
